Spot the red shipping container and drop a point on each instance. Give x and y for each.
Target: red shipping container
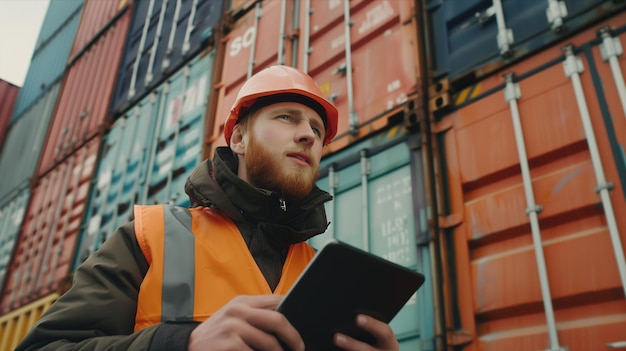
(376, 76)
(96, 16)
(45, 247)
(8, 95)
(252, 44)
(82, 110)
(500, 252)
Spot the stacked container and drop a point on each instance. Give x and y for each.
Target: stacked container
(531, 131)
(32, 113)
(44, 251)
(374, 161)
(155, 144)
(8, 95)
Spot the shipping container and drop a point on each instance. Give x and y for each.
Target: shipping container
(148, 154)
(47, 65)
(97, 17)
(46, 243)
(23, 144)
(534, 178)
(82, 110)
(15, 324)
(11, 218)
(8, 95)
(364, 55)
(58, 13)
(163, 36)
(379, 205)
(474, 38)
(253, 43)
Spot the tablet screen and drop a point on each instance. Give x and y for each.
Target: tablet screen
(340, 282)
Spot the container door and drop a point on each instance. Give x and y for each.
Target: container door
(379, 206)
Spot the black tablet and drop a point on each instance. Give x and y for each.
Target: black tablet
(340, 282)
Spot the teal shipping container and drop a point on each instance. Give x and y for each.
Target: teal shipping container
(49, 59)
(11, 218)
(379, 205)
(59, 12)
(23, 145)
(148, 154)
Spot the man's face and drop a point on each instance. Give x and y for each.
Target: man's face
(282, 149)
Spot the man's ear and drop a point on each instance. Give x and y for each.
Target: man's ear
(237, 140)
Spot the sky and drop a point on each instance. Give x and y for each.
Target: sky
(20, 22)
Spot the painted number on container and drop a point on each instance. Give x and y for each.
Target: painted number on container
(243, 41)
(395, 227)
(333, 3)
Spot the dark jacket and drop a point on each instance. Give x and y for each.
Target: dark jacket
(98, 312)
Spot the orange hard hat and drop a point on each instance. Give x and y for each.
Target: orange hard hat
(287, 81)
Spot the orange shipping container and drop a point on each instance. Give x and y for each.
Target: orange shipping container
(45, 247)
(534, 223)
(365, 57)
(253, 44)
(82, 110)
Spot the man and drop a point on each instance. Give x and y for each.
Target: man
(210, 277)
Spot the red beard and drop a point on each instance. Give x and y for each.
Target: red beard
(265, 170)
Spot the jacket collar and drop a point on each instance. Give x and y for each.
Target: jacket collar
(216, 184)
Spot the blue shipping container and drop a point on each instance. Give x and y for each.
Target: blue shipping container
(23, 145)
(48, 62)
(163, 36)
(148, 154)
(472, 38)
(379, 205)
(59, 12)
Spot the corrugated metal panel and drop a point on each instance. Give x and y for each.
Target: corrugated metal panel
(11, 217)
(148, 153)
(23, 145)
(82, 110)
(468, 42)
(251, 45)
(121, 176)
(97, 16)
(59, 12)
(379, 205)
(46, 244)
(378, 73)
(47, 66)
(164, 35)
(494, 277)
(178, 149)
(15, 325)
(8, 95)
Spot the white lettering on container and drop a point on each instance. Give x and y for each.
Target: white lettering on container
(337, 42)
(241, 42)
(333, 3)
(395, 230)
(376, 16)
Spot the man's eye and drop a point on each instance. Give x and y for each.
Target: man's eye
(285, 117)
(317, 131)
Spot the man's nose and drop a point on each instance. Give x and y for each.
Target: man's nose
(305, 133)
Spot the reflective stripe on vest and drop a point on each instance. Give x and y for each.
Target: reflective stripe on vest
(198, 261)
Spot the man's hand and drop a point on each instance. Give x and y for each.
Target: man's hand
(246, 323)
(385, 339)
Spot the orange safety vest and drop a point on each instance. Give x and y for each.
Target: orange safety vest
(198, 262)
